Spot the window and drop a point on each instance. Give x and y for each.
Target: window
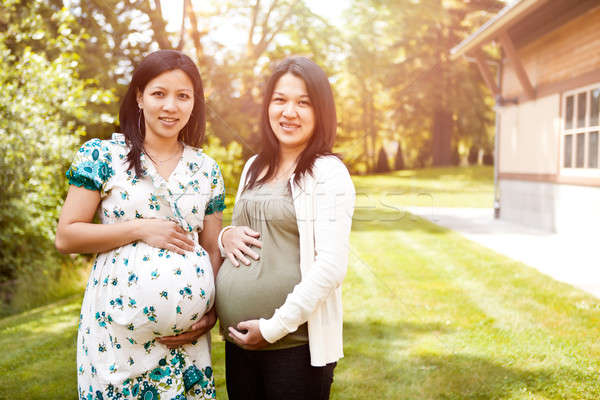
(568, 150)
(580, 131)
(593, 150)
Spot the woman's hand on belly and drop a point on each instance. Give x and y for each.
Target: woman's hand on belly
(248, 335)
(198, 329)
(236, 243)
(166, 235)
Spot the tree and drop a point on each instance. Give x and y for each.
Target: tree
(42, 101)
(438, 102)
(383, 165)
(473, 155)
(399, 159)
(488, 158)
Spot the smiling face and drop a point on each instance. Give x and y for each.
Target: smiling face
(291, 113)
(167, 102)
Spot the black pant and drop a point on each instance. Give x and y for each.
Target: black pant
(275, 374)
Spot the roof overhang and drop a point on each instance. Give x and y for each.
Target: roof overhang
(507, 17)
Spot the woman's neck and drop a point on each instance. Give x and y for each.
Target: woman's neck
(287, 163)
(158, 147)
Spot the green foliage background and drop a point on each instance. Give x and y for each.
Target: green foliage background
(42, 102)
(65, 64)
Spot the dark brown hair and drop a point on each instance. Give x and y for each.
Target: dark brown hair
(321, 141)
(131, 118)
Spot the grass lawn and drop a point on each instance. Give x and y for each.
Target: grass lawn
(428, 315)
(430, 187)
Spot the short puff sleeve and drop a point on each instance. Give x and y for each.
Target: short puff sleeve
(92, 165)
(216, 201)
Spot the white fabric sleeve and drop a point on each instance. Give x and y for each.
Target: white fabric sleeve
(332, 223)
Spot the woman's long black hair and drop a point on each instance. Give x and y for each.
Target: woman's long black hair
(131, 117)
(321, 141)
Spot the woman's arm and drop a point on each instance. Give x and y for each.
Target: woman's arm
(77, 234)
(235, 241)
(208, 239)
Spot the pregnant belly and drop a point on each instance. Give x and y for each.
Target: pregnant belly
(246, 292)
(158, 295)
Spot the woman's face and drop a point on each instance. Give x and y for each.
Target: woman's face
(167, 102)
(291, 113)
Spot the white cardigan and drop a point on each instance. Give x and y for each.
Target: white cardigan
(324, 204)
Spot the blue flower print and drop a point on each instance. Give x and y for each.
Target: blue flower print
(164, 253)
(103, 319)
(176, 330)
(193, 167)
(132, 279)
(118, 213)
(153, 203)
(132, 303)
(117, 302)
(186, 292)
(150, 313)
(117, 347)
(149, 345)
(149, 392)
(92, 166)
(158, 373)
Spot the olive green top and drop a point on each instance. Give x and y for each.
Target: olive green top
(255, 291)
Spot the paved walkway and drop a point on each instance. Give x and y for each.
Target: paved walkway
(573, 259)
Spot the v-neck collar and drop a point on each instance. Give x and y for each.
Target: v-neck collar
(157, 179)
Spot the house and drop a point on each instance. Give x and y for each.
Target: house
(547, 91)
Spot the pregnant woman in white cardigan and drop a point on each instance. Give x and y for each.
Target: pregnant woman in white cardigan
(281, 315)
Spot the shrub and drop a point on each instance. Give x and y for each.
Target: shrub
(473, 156)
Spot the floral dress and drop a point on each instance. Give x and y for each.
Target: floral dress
(137, 292)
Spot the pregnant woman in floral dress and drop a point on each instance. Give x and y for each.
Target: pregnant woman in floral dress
(148, 303)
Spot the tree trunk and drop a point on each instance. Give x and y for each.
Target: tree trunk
(159, 25)
(442, 137)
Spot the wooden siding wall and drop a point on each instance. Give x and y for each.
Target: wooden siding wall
(570, 52)
(529, 138)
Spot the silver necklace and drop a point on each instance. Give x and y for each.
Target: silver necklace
(178, 152)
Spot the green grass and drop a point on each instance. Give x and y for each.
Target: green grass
(428, 315)
(431, 187)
